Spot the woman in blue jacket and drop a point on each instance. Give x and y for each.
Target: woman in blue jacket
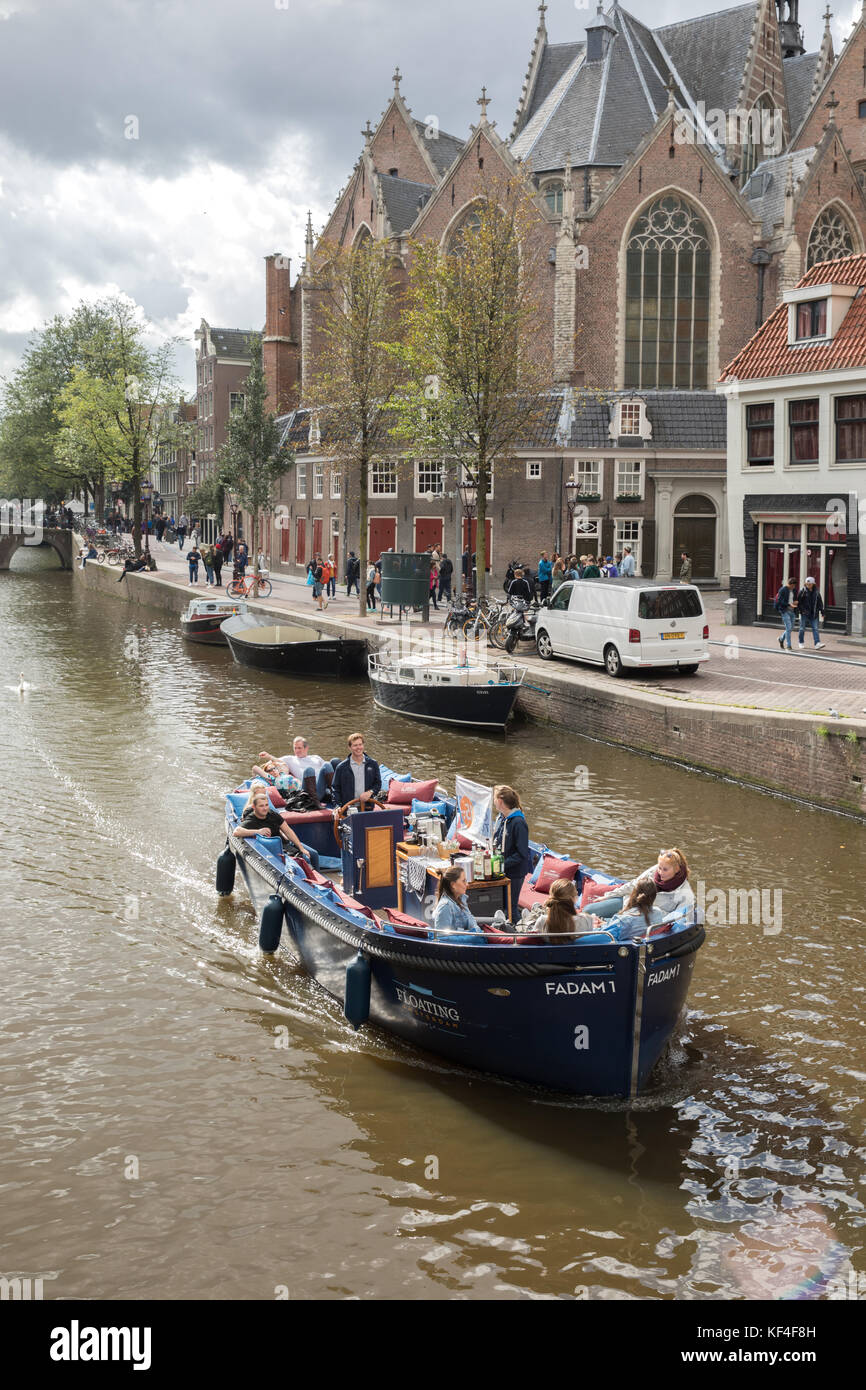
(511, 837)
(452, 905)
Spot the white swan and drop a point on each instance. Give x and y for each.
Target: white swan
(22, 684)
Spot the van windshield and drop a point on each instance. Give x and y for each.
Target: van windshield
(669, 603)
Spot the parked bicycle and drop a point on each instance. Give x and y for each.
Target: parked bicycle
(243, 588)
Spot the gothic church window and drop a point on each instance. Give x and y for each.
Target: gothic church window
(667, 306)
(553, 197)
(830, 238)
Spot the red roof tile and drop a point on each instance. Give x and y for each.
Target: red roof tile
(767, 353)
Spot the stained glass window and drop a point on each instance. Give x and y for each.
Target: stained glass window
(667, 298)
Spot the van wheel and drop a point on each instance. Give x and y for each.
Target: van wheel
(690, 669)
(543, 646)
(612, 661)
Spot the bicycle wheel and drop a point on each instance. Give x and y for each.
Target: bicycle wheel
(236, 589)
(264, 588)
(499, 632)
(114, 558)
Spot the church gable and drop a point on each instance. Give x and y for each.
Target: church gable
(845, 85)
(830, 206)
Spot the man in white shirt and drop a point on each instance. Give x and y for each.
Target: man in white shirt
(313, 772)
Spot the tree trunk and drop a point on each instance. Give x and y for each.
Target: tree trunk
(136, 501)
(480, 529)
(363, 508)
(254, 529)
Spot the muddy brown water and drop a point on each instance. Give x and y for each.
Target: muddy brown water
(183, 1118)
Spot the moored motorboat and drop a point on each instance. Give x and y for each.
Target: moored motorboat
(262, 641)
(202, 619)
(590, 1016)
(478, 694)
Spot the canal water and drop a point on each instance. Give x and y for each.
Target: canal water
(183, 1118)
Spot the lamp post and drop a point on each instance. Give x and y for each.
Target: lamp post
(234, 509)
(572, 494)
(146, 494)
(468, 498)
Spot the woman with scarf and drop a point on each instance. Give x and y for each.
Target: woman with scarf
(671, 878)
(511, 838)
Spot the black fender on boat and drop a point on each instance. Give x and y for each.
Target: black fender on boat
(271, 925)
(359, 974)
(225, 872)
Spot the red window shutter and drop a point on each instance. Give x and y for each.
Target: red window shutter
(301, 546)
(317, 536)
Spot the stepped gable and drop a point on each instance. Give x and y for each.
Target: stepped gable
(401, 197)
(710, 54)
(765, 191)
(799, 80)
(768, 353)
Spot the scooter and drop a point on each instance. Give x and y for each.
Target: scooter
(520, 625)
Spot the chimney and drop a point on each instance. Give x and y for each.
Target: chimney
(278, 296)
(599, 36)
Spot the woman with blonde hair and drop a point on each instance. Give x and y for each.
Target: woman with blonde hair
(670, 875)
(260, 818)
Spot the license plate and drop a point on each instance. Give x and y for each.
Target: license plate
(670, 636)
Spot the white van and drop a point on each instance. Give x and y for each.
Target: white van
(617, 623)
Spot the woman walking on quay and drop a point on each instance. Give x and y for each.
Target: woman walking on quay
(786, 606)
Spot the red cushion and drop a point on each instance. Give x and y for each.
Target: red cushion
(528, 896)
(404, 793)
(464, 841)
(593, 890)
(276, 799)
(552, 869)
(499, 938)
(307, 817)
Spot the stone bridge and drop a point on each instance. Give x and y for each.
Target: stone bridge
(65, 542)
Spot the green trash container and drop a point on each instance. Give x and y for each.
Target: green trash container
(406, 580)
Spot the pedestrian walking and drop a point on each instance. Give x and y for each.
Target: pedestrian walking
(193, 556)
(785, 604)
(810, 607)
(434, 584)
(446, 569)
(182, 527)
(627, 568)
(319, 584)
(331, 579)
(207, 556)
(241, 558)
(685, 569)
(353, 575)
(371, 588)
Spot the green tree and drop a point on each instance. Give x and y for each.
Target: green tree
(252, 461)
(357, 370)
(476, 375)
(117, 407)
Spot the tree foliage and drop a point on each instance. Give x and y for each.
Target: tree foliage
(358, 370)
(252, 461)
(476, 380)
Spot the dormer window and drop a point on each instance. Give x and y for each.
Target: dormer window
(629, 417)
(629, 420)
(812, 319)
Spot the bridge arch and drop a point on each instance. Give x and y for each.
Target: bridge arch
(60, 541)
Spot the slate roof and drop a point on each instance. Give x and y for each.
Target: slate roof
(555, 61)
(443, 150)
(233, 342)
(401, 200)
(765, 191)
(709, 53)
(679, 419)
(767, 353)
(799, 75)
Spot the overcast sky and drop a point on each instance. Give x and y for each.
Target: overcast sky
(245, 113)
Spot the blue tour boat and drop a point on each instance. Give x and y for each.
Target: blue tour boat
(590, 1017)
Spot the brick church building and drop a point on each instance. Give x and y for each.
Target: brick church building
(683, 178)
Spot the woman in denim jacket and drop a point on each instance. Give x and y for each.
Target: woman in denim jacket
(452, 906)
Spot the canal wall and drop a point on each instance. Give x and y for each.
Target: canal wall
(817, 761)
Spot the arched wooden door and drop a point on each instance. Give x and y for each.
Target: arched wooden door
(695, 533)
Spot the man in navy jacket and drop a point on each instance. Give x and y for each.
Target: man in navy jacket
(357, 776)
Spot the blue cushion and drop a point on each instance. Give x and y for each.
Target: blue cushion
(536, 872)
(389, 776)
(238, 801)
(423, 808)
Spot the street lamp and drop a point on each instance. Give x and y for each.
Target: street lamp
(572, 494)
(146, 494)
(468, 498)
(234, 508)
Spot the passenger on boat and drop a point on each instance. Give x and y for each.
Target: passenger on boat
(260, 818)
(671, 878)
(511, 838)
(452, 904)
(312, 772)
(356, 778)
(640, 912)
(562, 918)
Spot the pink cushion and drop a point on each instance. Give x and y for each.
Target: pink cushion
(529, 897)
(404, 793)
(276, 799)
(464, 841)
(552, 869)
(305, 817)
(592, 891)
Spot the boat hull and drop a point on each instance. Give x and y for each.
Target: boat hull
(479, 706)
(335, 657)
(204, 630)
